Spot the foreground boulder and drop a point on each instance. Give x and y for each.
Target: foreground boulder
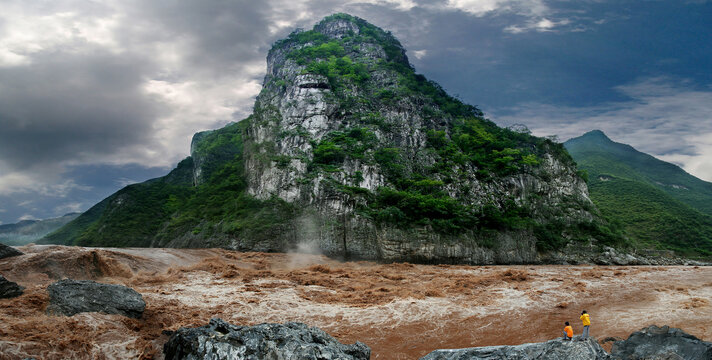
(290, 341)
(662, 343)
(550, 350)
(69, 297)
(9, 289)
(8, 251)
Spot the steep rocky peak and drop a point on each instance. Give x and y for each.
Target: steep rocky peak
(339, 35)
(338, 27)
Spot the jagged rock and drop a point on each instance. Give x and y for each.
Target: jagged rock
(69, 297)
(9, 289)
(550, 350)
(661, 343)
(8, 251)
(291, 341)
(610, 256)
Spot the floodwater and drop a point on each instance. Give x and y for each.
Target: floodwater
(402, 311)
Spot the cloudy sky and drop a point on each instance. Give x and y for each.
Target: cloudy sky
(95, 95)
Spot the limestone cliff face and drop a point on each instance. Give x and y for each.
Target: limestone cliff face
(311, 97)
(352, 153)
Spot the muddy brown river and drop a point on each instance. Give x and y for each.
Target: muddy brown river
(402, 311)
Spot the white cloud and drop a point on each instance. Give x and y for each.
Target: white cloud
(664, 118)
(124, 181)
(538, 16)
(29, 29)
(68, 208)
(26, 217)
(483, 7)
(419, 54)
(38, 181)
(540, 25)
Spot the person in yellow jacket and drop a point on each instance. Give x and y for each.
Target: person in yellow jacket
(586, 323)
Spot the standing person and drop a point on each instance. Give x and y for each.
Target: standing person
(586, 323)
(568, 332)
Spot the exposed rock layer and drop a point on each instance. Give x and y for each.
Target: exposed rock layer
(69, 297)
(291, 341)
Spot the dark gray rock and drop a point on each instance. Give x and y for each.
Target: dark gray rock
(290, 341)
(662, 343)
(8, 251)
(9, 289)
(550, 350)
(69, 297)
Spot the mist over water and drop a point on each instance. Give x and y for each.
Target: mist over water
(307, 246)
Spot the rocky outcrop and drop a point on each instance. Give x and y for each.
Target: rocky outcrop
(290, 341)
(662, 343)
(592, 254)
(8, 251)
(69, 297)
(651, 343)
(550, 350)
(9, 289)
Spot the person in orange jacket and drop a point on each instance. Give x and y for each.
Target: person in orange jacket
(568, 332)
(586, 323)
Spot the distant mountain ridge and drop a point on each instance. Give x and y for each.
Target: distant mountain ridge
(658, 203)
(632, 164)
(27, 231)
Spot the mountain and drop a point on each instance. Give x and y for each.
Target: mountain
(351, 152)
(27, 231)
(659, 204)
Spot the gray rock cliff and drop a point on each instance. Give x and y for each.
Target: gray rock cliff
(299, 110)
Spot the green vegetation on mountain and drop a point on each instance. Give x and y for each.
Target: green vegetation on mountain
(345, 124)
(154, 212)
(658, 204)
(417, 195)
